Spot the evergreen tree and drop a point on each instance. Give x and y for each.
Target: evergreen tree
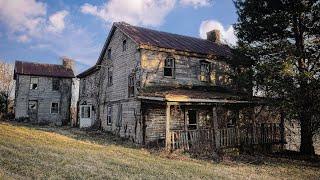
(284, 39)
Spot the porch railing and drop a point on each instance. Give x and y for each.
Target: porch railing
(224, 138)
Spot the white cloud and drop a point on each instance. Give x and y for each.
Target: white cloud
(145, 12)
(57, 21)
(227, 35)
(196, 3)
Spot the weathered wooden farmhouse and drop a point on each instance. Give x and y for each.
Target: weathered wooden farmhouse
(157, 87)
(43, 91)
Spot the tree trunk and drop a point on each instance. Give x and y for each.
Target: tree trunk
(306, 146)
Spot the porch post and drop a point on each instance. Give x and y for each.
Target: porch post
(215, 127)
(168, 119)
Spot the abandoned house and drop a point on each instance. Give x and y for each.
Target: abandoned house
(43, 91)
(157, 87)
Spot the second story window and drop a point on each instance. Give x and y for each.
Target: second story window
(168, 67)
(55, 84)
(109, 54)
(131, 85)
(110, 76)
(124, 45)
(205, 71)
(34, 83)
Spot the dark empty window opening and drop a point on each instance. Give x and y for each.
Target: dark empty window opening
(124, 45)
(109, 54)
(34, 83)
(169, 67)
(205, 71)
(192, 116)
(33, 105)
(110, 77)
(54, 108)
(109, 113)
(131, 85)
(55, 84)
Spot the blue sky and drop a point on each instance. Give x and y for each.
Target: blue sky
(44, 31)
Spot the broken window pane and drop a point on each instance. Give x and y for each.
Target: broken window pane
(54, 108)
(55, 84)
(168, 67)
(33, 83)
(32, 105)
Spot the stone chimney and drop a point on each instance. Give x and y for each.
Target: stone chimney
(68, 63)
(214, 36)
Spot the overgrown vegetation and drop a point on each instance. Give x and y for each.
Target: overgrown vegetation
(281, 38)
(63, 152)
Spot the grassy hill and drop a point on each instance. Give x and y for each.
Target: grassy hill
(68, 153)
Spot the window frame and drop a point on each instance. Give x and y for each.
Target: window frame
(170, 68)
(58, 82)
(109, 53)
(205, 70)
(82, 111)
(58, 108)
(109, 115)
(31, 83)
(124, 45)
(131, 85)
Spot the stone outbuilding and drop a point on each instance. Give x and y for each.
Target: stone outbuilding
(43, 92)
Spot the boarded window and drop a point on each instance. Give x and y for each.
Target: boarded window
(54, 108)
(109, 115)
(119, 122)
(124, 45)
(34, 83)
(110, 78)
(131, 85)
(205, 71)
(55, 84)
(109, 54)
(85, 111)
(169, 67)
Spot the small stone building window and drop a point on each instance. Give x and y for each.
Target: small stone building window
(124, 45)
(168, 67)
(54, 108)
(110, 78)
(109, 54)
(204, 71)
(109, 115)
(34, 83)
(85, 111)
(55, 84)
(131, 85)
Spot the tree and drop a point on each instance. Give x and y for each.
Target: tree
(284, 39)
(6, 84)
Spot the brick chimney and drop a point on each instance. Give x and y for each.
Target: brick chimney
(214, 36)
(68, 63)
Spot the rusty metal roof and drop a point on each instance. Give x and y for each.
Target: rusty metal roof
(149, 37)
(38, 69)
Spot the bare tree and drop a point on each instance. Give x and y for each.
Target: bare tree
(6, 84)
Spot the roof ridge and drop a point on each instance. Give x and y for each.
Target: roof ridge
(197, 38)
(21, 61)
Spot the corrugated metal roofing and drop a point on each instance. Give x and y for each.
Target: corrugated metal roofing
(38, 69)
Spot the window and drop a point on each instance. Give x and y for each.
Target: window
(124, 45)
(192, 116)
(119, 122)
(109, 76)
(205, 71)
(131, 85)
(109, 113)
(54, 108)
(85, 111)
(34, 83)
(55, 84)
(169, 67)
(109, 54)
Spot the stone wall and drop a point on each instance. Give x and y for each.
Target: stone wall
(45, 96)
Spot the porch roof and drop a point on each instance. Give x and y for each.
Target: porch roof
(192, 95)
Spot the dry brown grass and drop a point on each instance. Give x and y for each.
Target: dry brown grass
(68, 153)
